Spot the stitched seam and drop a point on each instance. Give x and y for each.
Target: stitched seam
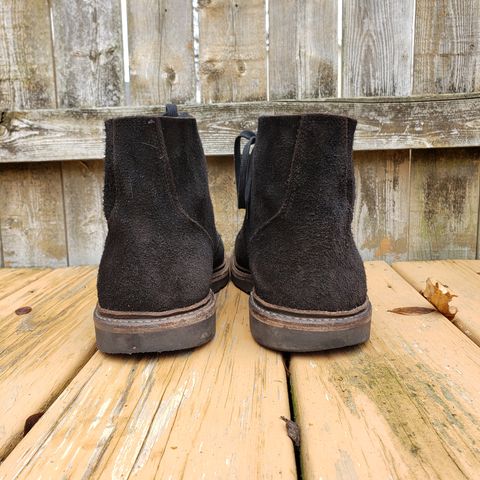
(289, 193)
(172, 191)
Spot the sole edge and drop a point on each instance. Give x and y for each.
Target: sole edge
(289, 332)
(124, 333)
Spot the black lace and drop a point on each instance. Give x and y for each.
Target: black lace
(243, 167)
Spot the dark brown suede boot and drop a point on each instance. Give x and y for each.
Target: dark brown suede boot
(295, 251)
(163, 256)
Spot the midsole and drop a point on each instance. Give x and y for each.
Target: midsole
(220, 272)
(143, 322)
(308, 320)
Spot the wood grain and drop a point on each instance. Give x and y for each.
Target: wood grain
(85, 223)
(26, 60)
(232, 50)
(42, 350)
(404, 405)
(228, 218)
(444, 202)
(447, 46)
(32, 219)
(160, 38)
(377, 47)
(383, 123)
(302, 54)
(13, 279)
(209, 413)
(472, 264)
(381, 215)
(461, 279)
(88, 53)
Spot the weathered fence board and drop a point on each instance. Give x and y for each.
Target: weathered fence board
(377, 47)
(31, 215)
(444, 203)
(447, 46)
(228, 219)
(381, 216)
(88, 53)
(232, 50)
(303, 49)
(83, 196)
(160, 37)
(26, 60)
(383, 123)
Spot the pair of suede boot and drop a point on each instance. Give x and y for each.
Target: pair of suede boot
(164, 259)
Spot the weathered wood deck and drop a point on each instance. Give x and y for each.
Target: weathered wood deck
(404, 405)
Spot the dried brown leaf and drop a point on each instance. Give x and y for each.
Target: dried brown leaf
(412, 310)
(440, 297)
(293, 430)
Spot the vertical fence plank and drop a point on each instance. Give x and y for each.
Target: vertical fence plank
(444, 203)
(88, 53)
(89, 72)
(447, 46)
(377, 60)
(232, 50)
(160, 38)
(380, 221)
(26, 61)
(31, 215)
(221, 177)
(31, 203)
(303, 49)
(377, 47)
(86, 228)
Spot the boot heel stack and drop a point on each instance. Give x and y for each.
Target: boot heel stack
(163, 258)
(295, 253)
(140, 332)
(293, 330)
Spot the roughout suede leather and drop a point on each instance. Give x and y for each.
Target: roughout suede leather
(162, 244)
(296, 239)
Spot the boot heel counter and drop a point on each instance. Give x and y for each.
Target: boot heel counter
(289, 271)
(145, 268)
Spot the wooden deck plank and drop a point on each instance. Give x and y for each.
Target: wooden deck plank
(13, 279)
(460, 279)
(472, 264)
(210, 413)
(389, 123)
(404, 405)
(41, 351)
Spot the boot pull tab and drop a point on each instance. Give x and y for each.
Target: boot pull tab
(171, 110)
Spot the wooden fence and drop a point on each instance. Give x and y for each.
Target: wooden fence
(408, 70)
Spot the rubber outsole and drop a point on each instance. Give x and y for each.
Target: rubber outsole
(293, 330)
(148, 332)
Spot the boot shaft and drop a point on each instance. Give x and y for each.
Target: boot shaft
(296, 240)
(147, 158)
(162, 245)
(304, 163)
